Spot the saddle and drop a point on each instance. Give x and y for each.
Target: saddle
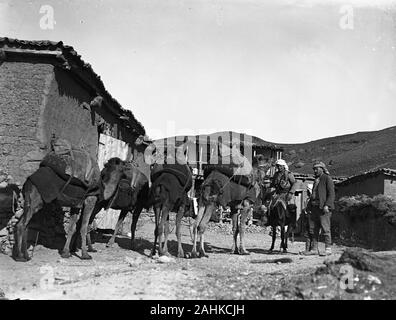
(181, 172)
(72, 164)
(125, 197)
(244, 180)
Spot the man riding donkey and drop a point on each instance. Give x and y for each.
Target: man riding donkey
(281, 210)
(284, 186)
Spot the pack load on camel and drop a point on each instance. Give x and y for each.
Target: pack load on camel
(66, 174)
(71, 178)
(168, 193)
(177, 178)
(239, 170)
(231, 185)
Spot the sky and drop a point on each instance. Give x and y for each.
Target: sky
(287, 71)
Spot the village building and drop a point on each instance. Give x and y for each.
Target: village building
(215, 149)
(371, 183)
(48, 92)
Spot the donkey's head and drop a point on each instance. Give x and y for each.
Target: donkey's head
(111, 175)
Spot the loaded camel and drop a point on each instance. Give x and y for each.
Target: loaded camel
(71, 178)
(168, 193)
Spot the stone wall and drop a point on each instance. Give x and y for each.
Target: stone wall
(372, 232)
(37, 101)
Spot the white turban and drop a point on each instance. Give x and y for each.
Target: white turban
(282, 162)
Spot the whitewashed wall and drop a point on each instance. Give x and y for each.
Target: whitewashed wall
(109, 147)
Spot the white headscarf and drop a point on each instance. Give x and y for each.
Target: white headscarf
(282, 162)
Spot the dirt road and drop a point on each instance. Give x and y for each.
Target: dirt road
(119, 273)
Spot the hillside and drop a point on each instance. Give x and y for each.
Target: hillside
(347, 154)
(344, 155)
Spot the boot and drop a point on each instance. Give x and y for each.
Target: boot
(307, 246)
(314, 249)
(327, 252)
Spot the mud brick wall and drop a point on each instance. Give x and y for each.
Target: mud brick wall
(65, 117)
(22, 100)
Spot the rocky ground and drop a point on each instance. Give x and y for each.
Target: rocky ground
(119, 273)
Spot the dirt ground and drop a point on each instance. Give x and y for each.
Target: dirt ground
(119, 273)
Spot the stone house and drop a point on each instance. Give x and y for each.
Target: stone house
(371, 183)
(47, 91)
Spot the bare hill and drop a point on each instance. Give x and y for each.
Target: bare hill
(344, 155)
(347, 154)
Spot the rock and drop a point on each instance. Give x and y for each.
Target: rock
(3, 232)
(372, 279)
(19, 213)
(165, 259)
(133, 262)
(365, 260)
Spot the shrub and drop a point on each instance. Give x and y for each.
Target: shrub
(359, 206)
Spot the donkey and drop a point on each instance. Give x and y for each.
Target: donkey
(34, 200)
(284, 216)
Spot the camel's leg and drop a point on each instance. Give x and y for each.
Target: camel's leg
(179, 217)
(242, 226)
(98, 206)
(283, 245)
(157, 212)
(286, 236)
(33, 203)
(89, 243)
(273, 237)
(235, 231)
(202, 227)
(201, 211)
(89, 205)
(74, 216)
(120, 220)
(135, 218)
(164, 231)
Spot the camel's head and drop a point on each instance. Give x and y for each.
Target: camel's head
(211, 191)
(111, 175)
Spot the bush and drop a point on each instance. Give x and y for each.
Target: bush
(359, 206)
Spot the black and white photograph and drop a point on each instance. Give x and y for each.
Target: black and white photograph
(197, 155)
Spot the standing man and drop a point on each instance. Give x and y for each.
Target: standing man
(320, 205)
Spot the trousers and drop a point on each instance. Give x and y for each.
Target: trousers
(317, 220)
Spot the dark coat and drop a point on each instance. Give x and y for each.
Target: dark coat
(325, 191)
(288, 180)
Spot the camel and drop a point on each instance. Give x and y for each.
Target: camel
(131, 196)
(34, 200)
(240, 193)
(168, 193)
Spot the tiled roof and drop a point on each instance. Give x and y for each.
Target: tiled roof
(68, 59)
(368, 174)
(304, 176)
